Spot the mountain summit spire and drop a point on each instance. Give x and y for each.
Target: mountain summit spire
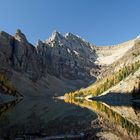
(20, 36)
(56, 36)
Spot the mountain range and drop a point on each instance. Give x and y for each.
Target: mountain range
(60, 64)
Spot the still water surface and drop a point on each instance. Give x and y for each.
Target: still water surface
(40, 117)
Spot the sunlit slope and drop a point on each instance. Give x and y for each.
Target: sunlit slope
(124, 122)
(109, 54)
(116, 73)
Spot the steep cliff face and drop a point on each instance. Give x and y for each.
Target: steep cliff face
(65, 57)
(62, 56)
(18, 54)
(5, 49)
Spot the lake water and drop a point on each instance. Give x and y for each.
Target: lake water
(34, 116)
(40, 118)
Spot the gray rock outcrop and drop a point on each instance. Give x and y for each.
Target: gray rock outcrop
(65, 57)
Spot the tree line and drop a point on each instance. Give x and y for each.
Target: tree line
(7, 87)
(107, 82)
(136, 92)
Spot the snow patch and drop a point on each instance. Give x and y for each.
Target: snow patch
(68, 50)
(76, 52)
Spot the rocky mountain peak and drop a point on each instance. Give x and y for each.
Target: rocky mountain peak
(18, 31)
(76, 40)
(20, 36)
(39, 43)
(2, 33)
(70, 36)
(39, 46)
(56, 36)
(64, 57)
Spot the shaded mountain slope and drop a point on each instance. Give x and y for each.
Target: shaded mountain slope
(60, 64)
(63, 63)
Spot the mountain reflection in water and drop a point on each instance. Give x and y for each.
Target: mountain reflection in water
(125, 118)
(40, 117)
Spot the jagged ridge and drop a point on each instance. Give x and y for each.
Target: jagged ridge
(65, 57)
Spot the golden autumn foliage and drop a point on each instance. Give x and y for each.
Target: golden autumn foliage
(108, 113)
(107, 82)
(6, 86)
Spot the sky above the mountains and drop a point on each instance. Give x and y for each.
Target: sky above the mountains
(101, 22)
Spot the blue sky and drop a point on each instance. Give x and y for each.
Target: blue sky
(101, 22)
